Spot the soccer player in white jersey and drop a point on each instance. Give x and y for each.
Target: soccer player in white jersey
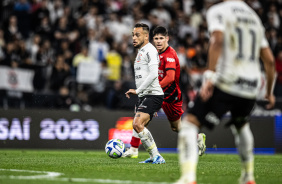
(169, 73)
(231, 83)
(149, 91)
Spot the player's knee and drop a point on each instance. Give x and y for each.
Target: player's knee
(138, 126)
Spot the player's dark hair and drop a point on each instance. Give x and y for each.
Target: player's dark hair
(144, 26)
(160, 30)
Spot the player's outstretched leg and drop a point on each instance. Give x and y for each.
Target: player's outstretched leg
(188, 152)
(201, 143)
(150, 146)
(132, 152)
(244, 141)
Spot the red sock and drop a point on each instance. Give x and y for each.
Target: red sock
(135, 142)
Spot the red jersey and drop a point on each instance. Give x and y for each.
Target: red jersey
(169, 61)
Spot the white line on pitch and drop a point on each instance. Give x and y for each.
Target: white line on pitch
(46, 175)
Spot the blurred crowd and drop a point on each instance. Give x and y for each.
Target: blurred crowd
(53, 37)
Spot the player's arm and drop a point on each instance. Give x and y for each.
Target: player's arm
(216, 27)
(169, 78)
(269, 65)
(153, 60)
(215, 49)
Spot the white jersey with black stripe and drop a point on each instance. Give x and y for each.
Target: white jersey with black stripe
(238, 68)
(146, 71)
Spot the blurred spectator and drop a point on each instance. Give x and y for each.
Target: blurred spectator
(186, 28)
(40, 13)
(115, 96)
(60, 72)
(81, 57)
(2, 39)
(25, 57)
(7, 8)
(82, 29)
(98, 47)
(117, 28)
(114, 62)
(66, 52)
(278, 86)
(10, 59)
(45, 55)
(64, 99)
(273, 14)
(61, 31)
(83, 8)
(196, 18)
(90, 17)
(22, 11)
(127, 69)
(11, 32)
(278, 46)
(44, 29)
(33, 47)
(34, 5)
(56, 11)
(162, 14)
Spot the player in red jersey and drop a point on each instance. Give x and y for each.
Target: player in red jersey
(169, 73)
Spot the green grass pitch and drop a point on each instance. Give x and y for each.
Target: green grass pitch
(73, 167)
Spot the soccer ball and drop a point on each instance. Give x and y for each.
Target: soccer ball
(115, 148)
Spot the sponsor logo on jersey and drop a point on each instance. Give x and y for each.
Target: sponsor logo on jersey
(138, 68)
(138, 76)
(170, 60)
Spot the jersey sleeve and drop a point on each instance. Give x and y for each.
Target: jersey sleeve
(152, 58)
(215, 19)
(264, 42)
(170, 62)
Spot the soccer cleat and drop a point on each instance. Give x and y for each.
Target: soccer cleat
(251, 182)
(248, 182)
(147, 161)
(201, 143)
(183, 180)
(245, 179)
(130, 153)
(158, 159)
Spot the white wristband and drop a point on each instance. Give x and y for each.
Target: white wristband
(209, 75)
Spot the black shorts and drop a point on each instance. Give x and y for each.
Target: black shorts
(209, 113)
(149, 104)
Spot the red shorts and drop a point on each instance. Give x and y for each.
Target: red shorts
(173, 110)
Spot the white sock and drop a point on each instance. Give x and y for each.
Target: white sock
(148, 142)
(135, 134)
(244, 141)
(188, 151)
